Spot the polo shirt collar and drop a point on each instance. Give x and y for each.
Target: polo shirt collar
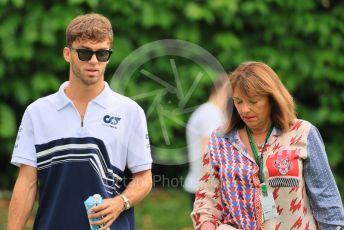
(103, 98)
(62, 100)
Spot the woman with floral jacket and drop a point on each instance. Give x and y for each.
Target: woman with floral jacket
(265, 169)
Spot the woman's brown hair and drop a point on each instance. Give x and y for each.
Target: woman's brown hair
(258, 79)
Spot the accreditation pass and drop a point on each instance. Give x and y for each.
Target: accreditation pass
(268, 206)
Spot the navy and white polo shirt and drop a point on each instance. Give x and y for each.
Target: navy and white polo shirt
(76, 159)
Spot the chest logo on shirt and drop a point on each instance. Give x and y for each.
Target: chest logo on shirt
(111, 121)
(283, 168)
(283, 163)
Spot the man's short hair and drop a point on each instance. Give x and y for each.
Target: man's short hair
(94, 27)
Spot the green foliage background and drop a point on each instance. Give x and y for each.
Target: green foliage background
(301, 40)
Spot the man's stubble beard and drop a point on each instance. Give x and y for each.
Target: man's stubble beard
(82, 77)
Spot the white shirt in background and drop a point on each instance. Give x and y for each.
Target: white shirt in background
(203, 121)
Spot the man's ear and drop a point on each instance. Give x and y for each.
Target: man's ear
(67, 54)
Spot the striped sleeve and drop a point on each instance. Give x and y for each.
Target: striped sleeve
(207, 206)
(325, 200)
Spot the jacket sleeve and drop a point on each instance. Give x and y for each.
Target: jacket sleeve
(322, 190)
(208, 205)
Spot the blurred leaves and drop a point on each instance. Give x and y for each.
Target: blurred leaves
(7, 121)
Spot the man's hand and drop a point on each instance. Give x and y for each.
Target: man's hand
(108, 211)
(111, 208)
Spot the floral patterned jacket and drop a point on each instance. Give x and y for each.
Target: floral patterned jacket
(229, 190)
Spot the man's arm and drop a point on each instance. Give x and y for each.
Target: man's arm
(23, 197)
(139, 187)
(136, 190)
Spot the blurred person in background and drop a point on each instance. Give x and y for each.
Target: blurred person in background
(80, 141)
(266, 169)
(202, 122)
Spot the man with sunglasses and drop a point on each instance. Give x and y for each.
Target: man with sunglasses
(85, 139)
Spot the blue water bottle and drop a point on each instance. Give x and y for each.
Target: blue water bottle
(91, 201)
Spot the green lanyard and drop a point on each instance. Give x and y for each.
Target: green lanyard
(256, 156)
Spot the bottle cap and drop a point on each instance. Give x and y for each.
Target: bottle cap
(97, 196)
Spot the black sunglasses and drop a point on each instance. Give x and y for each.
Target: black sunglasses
(86, 54)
